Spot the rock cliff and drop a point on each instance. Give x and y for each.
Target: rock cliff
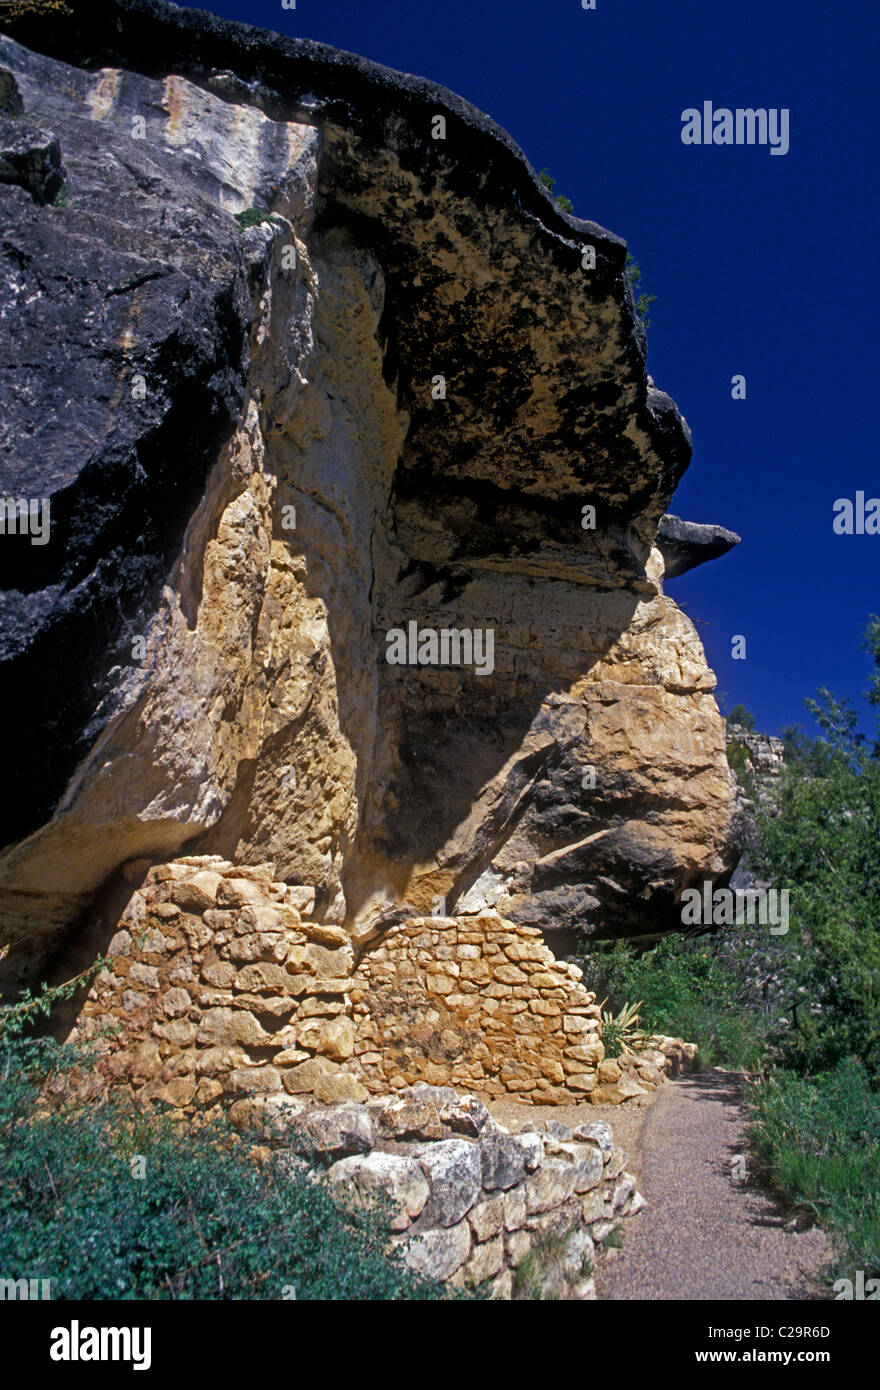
(411, 392)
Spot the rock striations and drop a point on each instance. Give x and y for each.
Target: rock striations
(297, 355)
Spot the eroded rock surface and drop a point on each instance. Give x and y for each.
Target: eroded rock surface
(253, 478)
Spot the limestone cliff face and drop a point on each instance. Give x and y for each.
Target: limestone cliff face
(254, 475)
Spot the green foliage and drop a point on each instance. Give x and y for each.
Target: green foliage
(871, 645)
(818, 1139)
(541, 1271)
(740, 715)
(252, 217)
(803, 754)
(17, 1018)
(563, 203)
(693, 988)
(61, 197)
(619, 1032)
(822, 838)
(644, 301)
(207, 1220)
(210, 1218)
(737, 757)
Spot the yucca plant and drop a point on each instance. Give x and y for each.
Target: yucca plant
(620, 1034)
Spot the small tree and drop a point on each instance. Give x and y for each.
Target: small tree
(644, 301)
(741, 716)
(821, 839)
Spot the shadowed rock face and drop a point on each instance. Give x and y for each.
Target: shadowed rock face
(254, 475)
(686, 544)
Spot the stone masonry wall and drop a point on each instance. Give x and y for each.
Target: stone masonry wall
(477, 1002)
(518, 1214)
(222, 984)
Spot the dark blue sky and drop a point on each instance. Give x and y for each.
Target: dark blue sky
(761, 265)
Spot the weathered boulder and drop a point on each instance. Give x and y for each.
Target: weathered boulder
(440, 1252)
(453, 1170)
(686, 544)
(430, 1112)
(332, 1131)
(398, 1178)
(503, 1161)
(599, 1133)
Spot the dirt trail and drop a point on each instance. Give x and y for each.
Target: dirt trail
(705, 1232)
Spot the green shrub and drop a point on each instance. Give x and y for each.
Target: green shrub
(693, 988)
(619, 1032)
(741, 716)
(208, 1219)
(211, 1217)
(563, 203)
(644, 301)
(818, 1139)
(821, 839)
(252, 217)
(737, 757)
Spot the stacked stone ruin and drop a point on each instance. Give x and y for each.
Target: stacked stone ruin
(222, 983)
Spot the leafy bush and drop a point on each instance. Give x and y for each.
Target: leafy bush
(738, 757)
(821, 839)
(693, 988)
(211, 1217)
(818, 1138)
(563, 203)
(741, 716)
(252, 217)
(644, 301)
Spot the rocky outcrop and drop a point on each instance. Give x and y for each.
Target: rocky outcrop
(686, 544)
(264, 447)
(765, 754)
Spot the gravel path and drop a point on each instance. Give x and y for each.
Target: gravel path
(706, 1233)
